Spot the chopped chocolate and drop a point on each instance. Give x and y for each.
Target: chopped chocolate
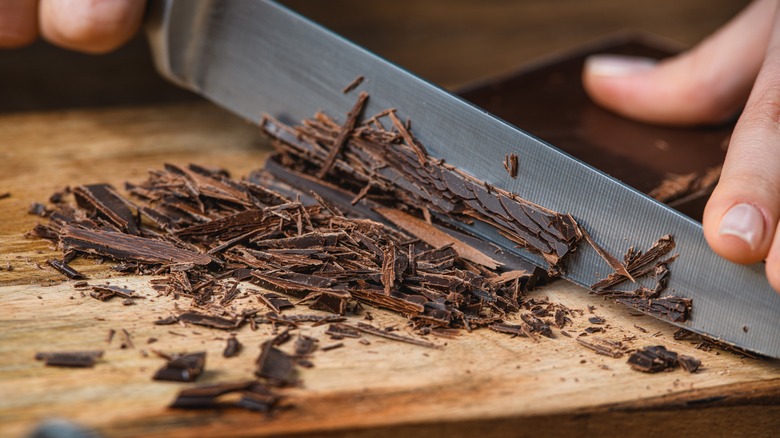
(120, 246)
(167, 321)
(604, 347)
(371, 330)
(103, 201)
(209, 321)
(5, 195)
(71, 359)
(671, 308)
(354, 84)
(275, 301)
(341, 331)
(332, 346)
(65, 269)
(688, 363)
(232, 348)
(638, 263)
(511, 329)
(38, 209)
(182, 368)
(276, 366)
(653, 359)
(254, 396)
(105, 292)
(305, 345)
(596, 320)
(510, 164)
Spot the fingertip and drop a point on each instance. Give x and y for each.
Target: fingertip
(18, 23)
(737, 228)
(773, 270)
(90, 26)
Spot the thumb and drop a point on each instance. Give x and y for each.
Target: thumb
(707, 84)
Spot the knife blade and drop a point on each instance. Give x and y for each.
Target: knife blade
(256, 57)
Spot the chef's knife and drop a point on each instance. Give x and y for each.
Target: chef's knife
(256, 57)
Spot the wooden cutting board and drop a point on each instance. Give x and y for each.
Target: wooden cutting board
(477, 384)
(477, 381)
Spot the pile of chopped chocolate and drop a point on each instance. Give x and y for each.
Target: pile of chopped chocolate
(371, 228)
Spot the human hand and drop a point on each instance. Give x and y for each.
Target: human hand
(91, 26)
(738, 65)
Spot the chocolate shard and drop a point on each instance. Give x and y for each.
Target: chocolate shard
(670, 308)
(104, 201)
(182, 368)
(232, 348)
(688, 363)
(371, 330)
(275, 301)
(653, 359)
(65, 269)
(276, 366)
(70, 359)
(212, 321)
(537, 325)
(604, 347)
(254, 396)
(341, 331)
(305, 345)
(120, 246)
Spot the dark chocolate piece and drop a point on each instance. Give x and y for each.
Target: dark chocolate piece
(65, 269)
(305, 345)
(604, 347)
(354, 84)
(510, 164)
(653, 359)
(671, 308)
(254, 396)
(182, 368)
(105, 292)
(212, 321)
(344, 134)
(276, 366)
(232, 348)
(70, 359)
(371, 330)
(120, 246)
(688, 363)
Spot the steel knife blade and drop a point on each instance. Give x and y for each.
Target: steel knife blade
(256, 57)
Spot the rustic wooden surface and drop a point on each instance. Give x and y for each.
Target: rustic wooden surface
(480, 383)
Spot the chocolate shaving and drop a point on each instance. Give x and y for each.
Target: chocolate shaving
(352, 85)
(613, 262)
(70, 359)
(510, 164)
(345, 132)
(182, 368)
(209, 321)
(371, 330)
(604, 347)
(670, 308)
(120, 246)
(65, 269)
(253, 396)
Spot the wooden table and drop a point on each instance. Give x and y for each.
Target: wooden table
(123, 121)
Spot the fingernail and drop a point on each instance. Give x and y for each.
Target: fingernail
(617, 65)
(745, 222)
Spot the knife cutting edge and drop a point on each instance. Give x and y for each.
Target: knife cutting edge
(257, 57)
